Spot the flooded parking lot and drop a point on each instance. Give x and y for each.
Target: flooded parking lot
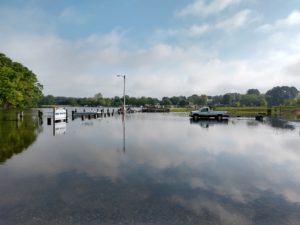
(150, 169)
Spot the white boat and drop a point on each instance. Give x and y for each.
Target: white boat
(60, 114)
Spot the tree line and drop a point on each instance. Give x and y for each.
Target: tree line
(276, 96)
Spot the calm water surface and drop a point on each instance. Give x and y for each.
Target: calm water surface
(152, 169)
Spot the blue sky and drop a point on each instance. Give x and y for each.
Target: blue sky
(165, 48)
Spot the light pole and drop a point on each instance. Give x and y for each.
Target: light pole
(124, 76)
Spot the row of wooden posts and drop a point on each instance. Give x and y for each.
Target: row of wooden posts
(89, 115)
(83, 115)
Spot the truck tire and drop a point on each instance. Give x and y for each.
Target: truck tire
(196, 117)
(219, 117)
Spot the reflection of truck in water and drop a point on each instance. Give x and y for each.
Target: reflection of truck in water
(208, 123)
(207, 113)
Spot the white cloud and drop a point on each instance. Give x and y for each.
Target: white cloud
(240, 19)
(293, 68)
(293, 19)
(66, 67)
(87, 66)
(237, 21)
(265, 28)
(191, 32)
(203, 8)
(197, 30)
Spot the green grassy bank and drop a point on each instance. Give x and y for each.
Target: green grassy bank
(251, 111)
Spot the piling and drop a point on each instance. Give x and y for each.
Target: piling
(40, 116)
(49, 121)
(40, 113)
(259, 117)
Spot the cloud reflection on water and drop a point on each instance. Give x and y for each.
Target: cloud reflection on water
(226, 172)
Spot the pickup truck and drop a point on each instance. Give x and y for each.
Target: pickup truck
(206, 112)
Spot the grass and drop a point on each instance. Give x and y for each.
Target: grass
(243, 111)
(286, 111)
(181, 109)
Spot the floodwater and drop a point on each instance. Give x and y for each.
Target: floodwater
(151, 169)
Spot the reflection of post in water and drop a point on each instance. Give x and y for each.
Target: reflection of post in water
(59, 127)
(123, 123)
(19, 118)
(40, 116)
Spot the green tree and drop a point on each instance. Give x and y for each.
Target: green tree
(98, 95)
(253, 92)
(19, 86)
(116, 101)
(292, 102)
(174, 100)
(227, 99)
(252, 100)
(278, 95)
(197, 100)
(166, 101)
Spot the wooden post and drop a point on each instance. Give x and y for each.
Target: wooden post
(49, 120)
(40, 113)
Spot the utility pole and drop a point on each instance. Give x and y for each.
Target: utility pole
(124, 77)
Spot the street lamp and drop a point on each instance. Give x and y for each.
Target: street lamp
(123, 92)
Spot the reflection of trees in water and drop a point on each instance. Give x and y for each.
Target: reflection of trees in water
(16, 136)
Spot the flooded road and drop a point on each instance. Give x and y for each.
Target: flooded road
(150, 169)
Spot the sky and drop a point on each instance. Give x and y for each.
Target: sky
(164, 47)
